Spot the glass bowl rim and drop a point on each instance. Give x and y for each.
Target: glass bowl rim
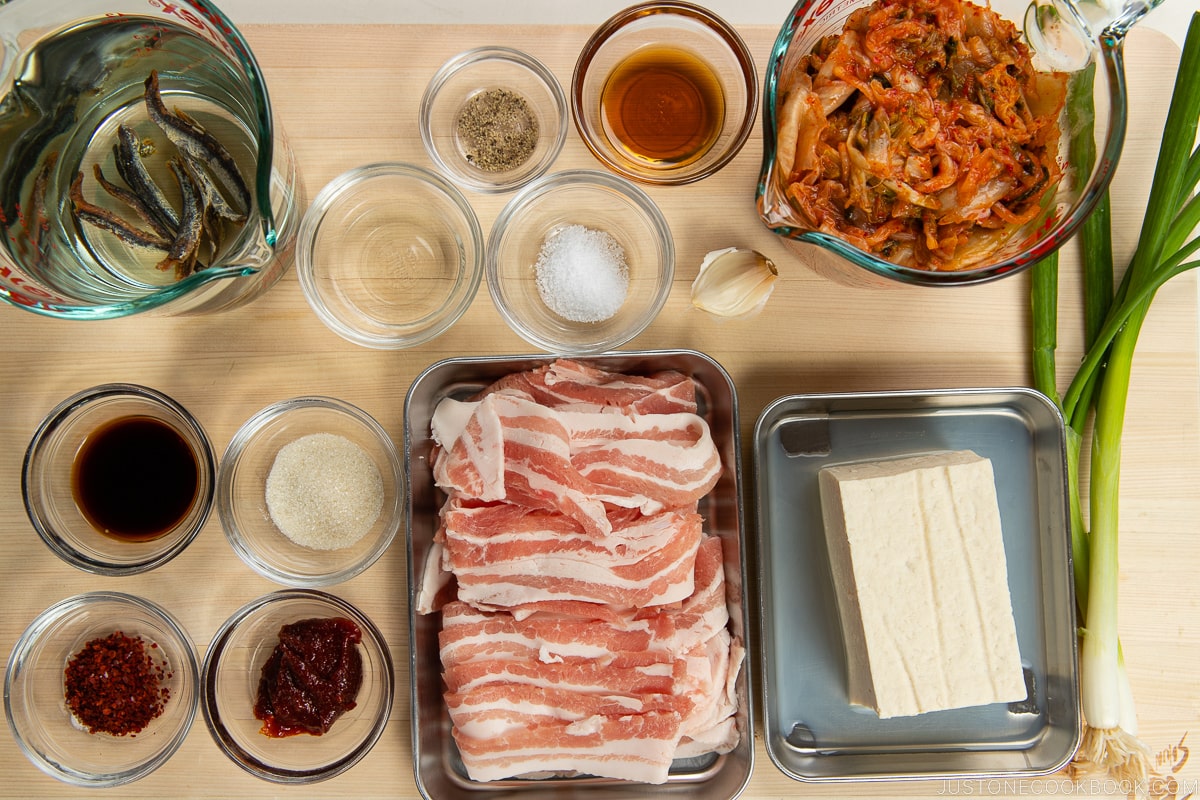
(591, 179)
(710, 20)
(465, 60)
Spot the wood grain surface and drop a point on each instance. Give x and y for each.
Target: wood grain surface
(347, 96)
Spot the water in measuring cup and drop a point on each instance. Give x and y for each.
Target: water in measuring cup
(70, 93)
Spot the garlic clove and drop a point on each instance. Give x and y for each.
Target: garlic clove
(734, 282)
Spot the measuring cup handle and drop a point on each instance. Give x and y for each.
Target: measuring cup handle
(1065, 33)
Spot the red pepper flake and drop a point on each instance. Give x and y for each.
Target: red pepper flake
(114, 686)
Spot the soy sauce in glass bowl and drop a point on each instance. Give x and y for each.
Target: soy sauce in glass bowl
(118, 479)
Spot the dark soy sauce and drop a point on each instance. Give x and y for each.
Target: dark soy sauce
(135, 478)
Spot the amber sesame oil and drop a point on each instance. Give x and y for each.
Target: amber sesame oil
(663, 106)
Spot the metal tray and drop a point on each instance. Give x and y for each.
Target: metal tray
(437, 768)
(812, 732)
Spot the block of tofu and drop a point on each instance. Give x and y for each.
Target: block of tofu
(922, 583)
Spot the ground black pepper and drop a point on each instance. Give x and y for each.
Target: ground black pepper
(497, 130)
(114, 686)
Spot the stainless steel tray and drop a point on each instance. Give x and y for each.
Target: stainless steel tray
(812, 732)
(438, 771)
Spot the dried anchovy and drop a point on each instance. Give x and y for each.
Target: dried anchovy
(37, 202)
(134, 202)
(195, 142)
(211, 194)
(216, 209)
(105, 219)
(137, 177)
(185, 250)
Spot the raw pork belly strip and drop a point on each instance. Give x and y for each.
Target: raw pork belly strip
(636, 747)
(515, 450)
(532, 695)
(469, 634)
(567, 384)
(665, 633)
(584, 620)
(505, 555)
(649, 462)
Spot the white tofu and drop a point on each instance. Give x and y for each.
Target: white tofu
(922, 584)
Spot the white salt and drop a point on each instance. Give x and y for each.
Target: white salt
(324, 491)
(581, 274)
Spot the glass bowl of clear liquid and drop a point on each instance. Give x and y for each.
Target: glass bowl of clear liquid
(143, 167)
(390, 255)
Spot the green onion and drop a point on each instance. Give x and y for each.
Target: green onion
(1112, 324)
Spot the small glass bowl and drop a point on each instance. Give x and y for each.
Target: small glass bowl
(389, 255)
(677, 26)
(469, 75)
(47, 480)
(34, 691)
(241, 491)
(229, 688)
(597, 201)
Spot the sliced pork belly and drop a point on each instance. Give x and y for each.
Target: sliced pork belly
(512, 449)
(436, 586)
(649, 462)
(515, 450)
(495, 709)
(633, 747)
(469, 634)
(706, 612)
(710, 677)
(506, 555)
(568, 384)
(588, 631)
(524, 681)
(584, 676)
(562, 695)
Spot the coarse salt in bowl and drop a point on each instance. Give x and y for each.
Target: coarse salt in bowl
(310, 491)
(580, 261)
(48, 732)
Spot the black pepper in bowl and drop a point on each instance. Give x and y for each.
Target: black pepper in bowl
(497, 130)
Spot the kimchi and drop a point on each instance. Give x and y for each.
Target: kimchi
(921, 133)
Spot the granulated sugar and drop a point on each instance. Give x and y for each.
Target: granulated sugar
(324, 491)
(581, 274)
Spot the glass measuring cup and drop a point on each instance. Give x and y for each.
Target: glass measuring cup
(74, 80)
(1083, 38)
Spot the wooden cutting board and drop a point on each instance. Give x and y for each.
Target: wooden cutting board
(347, 96)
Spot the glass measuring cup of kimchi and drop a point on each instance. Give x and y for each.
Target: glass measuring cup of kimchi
(940, 142)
